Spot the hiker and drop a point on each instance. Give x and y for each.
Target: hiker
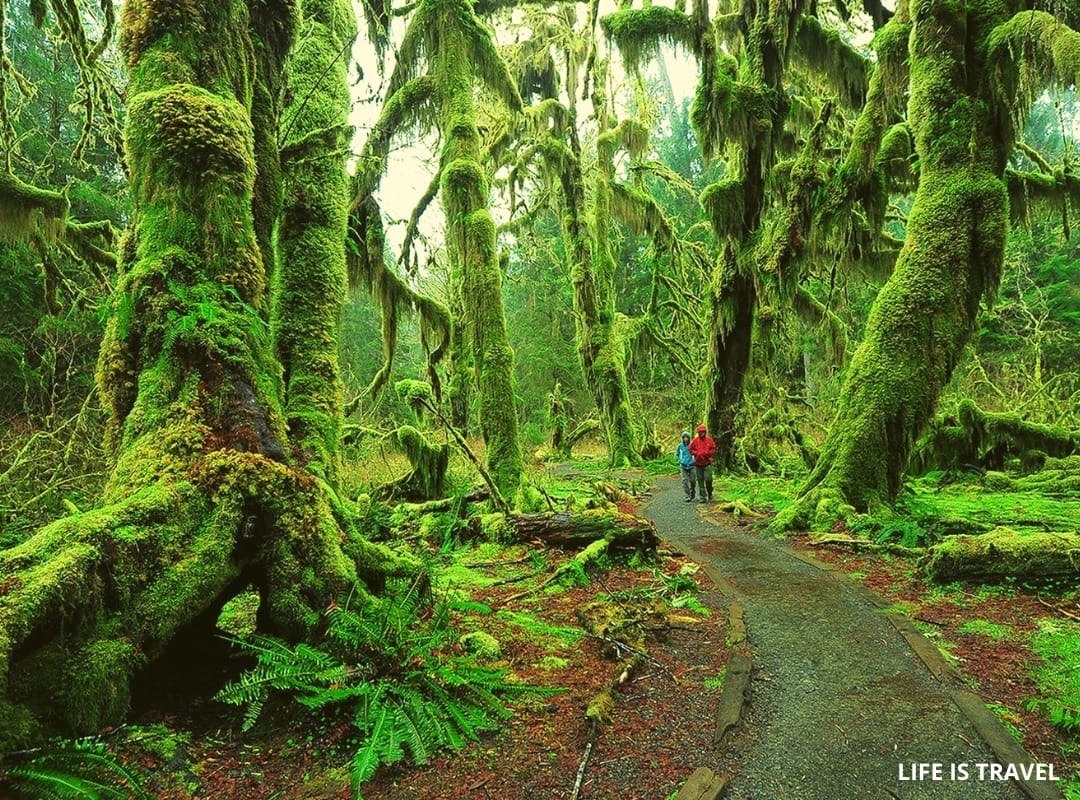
(703, 449)
(686, 465)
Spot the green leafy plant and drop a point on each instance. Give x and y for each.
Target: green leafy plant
(1057, 643)
(80, 769)
(394, 669)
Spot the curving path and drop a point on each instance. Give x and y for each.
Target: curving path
(838, 699)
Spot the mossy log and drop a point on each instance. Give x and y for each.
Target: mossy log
(989, 440)
(1005, 554)
(624, 531)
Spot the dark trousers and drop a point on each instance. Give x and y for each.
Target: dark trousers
(704, 481)
(688, 481)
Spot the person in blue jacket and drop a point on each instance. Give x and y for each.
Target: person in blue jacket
(686, 465)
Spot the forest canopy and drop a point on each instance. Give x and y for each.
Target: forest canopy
(249, 248)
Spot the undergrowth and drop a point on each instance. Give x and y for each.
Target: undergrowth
(80, 769)
(1057, 643)
(394, 667)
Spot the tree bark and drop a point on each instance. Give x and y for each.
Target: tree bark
(204, 497)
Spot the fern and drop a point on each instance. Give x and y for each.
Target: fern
(1061, 716)
(386, 664)
(72, 770)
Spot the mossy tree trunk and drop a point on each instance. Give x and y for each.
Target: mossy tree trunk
(604, 336)
(206, 495)
(741, 110)
(974, 70)
(310, 281)
(464, 191)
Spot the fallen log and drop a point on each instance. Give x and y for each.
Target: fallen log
(1004, 553)
(623, 531)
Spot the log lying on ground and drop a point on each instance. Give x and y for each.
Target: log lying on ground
(1004, 553)
(624, 531)
(988, 440)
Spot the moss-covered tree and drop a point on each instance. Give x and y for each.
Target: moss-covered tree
(210, 490)
(743, 111)
(975, 69)
(597, 210)
(456, 49)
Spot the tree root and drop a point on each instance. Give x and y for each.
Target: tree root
(92, 598)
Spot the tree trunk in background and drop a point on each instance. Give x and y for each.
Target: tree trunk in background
(460, 377)
(203, 499)
(731, 335)
(471, 243)
(952, 257)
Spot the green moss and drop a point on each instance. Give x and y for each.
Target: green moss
(483, 645)
(310, 276)
(725, 203)
(495, 527)
(825, 52)
(1057, 643)
(981, 627)
(1003, 554)
(96, 683)
(465, 51)
(639, 33)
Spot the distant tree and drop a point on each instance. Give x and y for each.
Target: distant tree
(456, 48)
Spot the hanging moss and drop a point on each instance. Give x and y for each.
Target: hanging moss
(824, 52)
(639, 33)
(1025, 54)
(988, 440)
(725, 203)
(427, 480)
(25, 209)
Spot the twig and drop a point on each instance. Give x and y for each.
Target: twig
(584, 763)
(516, 579)
(618, 643)
(505, 563)
(1059, 610)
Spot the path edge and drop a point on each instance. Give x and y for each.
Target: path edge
(990, 729)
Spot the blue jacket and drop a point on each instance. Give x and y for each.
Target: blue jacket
(682, 454)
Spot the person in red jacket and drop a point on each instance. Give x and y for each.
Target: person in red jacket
(703, 449)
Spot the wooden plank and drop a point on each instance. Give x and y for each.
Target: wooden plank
(734, 695)
(1005, 747)
(703, 784)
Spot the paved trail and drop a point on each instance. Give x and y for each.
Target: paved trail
(838, 699)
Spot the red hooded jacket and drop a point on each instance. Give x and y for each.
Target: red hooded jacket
(703, 449)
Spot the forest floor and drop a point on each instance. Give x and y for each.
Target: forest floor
(660, 729)
(838, 700)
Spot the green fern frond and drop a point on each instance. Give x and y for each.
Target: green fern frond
(367, 759)
(74, 771)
